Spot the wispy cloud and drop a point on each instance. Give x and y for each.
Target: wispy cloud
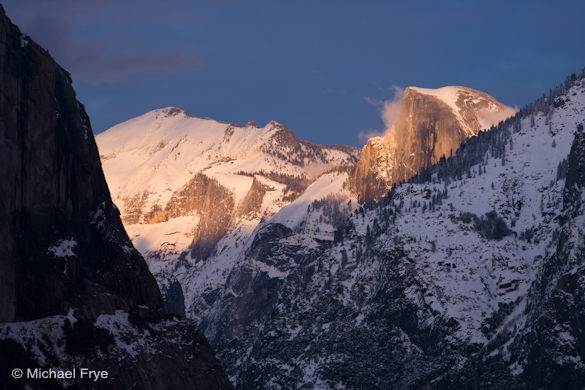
(98, 66)
(374, 102)
(93, 62)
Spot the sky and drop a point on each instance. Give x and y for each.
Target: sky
(319, 67)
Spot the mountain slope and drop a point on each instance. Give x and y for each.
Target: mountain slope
(188, 187)
(459, 278)
(159, 152)
(430, 124)
(73, 290)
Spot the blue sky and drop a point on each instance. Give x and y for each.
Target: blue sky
(314, 66)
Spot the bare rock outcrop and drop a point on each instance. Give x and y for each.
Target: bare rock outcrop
(430, 124)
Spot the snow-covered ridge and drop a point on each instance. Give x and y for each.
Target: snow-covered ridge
(159, 151)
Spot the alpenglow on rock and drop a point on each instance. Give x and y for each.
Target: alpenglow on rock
(430, 124)
(191, 188)
(74, 292)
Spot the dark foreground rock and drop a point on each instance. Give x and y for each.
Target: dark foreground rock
(73, 290)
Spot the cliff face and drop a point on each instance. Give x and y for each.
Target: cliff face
(65, 245)
(373, 170)
(426, 130)
(430, 124)
(65, 257)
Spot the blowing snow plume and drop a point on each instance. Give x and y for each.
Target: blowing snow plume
(421, 126)
(391, 108)
(388, 113)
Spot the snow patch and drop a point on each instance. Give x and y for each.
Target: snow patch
(63, 248)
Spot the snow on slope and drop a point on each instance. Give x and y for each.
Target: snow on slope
(156, 166)
(305, 215)
(148, 158)
(328, 185)
(468, 275)
(460, 99)
(417, 283)
(160, 150)
(449, 274)
(171, 144)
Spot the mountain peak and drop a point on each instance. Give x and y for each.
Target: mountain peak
(430, 124)
(149, 159)
(176, 112)
(170, 111)
(475, 110)
(274, 123)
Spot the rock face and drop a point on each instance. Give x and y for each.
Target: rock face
(65, 257)
(61, 226)
(430, 124)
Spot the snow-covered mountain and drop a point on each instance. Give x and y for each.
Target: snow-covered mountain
(469, 275)
(451, 280)
(190, 189)
(429, 124)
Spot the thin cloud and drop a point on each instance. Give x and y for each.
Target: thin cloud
(373, 101)
(103, 67)
(91, 62)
